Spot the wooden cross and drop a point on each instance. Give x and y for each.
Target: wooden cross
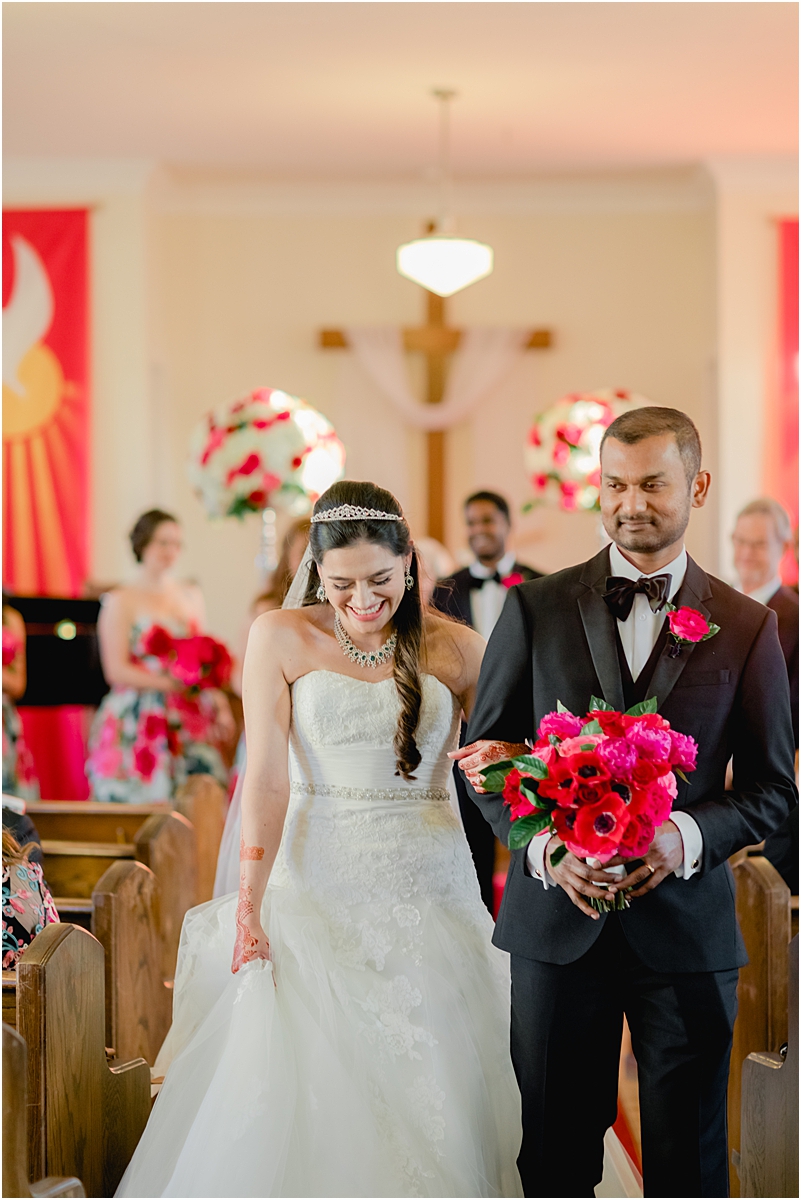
(436, 340)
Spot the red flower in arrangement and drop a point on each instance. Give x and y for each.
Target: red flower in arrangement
(217, 435)
(540, 482)
(519, 805)
(246, 467)
(11, 646)
(158, 642)
(257, 499)
(560, 784)
(569, 433)
(512, 580)
(534, 436)
(612, 723)
(144, 762)
(570, 493)
(638, 836)
(599, 827)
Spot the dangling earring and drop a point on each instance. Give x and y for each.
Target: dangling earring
(409, 581)
(321, 596)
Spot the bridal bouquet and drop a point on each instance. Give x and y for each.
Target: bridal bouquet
(602, 783)
(197, 662)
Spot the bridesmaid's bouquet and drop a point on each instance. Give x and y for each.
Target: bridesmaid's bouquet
(602, 783)
(197, 662)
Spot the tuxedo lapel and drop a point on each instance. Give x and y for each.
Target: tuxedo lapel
(599, 627)
(693, 592)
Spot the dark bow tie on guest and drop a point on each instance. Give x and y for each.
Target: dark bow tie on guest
(620, 593)
(475, 582)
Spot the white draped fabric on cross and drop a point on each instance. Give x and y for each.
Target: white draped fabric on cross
(483, 358)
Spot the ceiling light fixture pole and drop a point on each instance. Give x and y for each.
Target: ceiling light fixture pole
(440, 262)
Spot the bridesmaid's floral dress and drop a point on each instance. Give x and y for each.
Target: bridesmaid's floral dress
(144, 744)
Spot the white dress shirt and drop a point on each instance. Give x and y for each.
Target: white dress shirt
(487, 601)
(638, 635)
(766, 592)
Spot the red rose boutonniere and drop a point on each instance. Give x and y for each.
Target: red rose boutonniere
(512, 580)
(688, 626)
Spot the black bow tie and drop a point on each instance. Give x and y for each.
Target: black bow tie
(475, 582)
(620, 593)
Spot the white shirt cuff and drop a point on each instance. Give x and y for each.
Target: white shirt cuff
(535, 858)
(693, 842)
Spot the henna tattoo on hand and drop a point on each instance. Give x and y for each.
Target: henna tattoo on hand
(246, 945)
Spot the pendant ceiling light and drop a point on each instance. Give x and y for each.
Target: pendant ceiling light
(440, 262)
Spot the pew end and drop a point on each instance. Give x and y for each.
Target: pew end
(203, 802)
(126, 922)
(166, 844)
(84, 1116)
(15, 1127)
(769, 1119)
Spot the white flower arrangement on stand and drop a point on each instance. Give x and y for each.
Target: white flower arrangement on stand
(265, 451)
(563, 447)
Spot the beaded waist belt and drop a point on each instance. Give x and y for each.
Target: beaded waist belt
(337, 792)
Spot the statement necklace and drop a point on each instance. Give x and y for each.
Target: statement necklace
(364, 658)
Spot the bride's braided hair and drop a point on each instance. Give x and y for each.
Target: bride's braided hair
(408, 618)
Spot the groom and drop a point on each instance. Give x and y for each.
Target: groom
(670, 961)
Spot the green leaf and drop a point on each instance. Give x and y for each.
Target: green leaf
(713, 629)
(527, 789)
(591, 727)
(494, 780)
(553, 739)
(526, 828)
(531, 765)
(557, 856)
(646, 706)
(598, 705)
(561, 708)
(678, 771)
(587, 747)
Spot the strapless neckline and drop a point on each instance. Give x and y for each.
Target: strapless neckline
(368, 682)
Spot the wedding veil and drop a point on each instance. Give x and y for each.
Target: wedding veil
(297, 588)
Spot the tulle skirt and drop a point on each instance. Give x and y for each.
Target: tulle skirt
(314, 1076)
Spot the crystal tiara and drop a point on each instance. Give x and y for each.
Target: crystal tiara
(354, 512)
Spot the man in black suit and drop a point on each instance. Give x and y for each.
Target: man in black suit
(475, 596)
(761, 537)
(670, 961)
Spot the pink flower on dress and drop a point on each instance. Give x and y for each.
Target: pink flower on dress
(107, 761)
(145, 762)
(153, 726)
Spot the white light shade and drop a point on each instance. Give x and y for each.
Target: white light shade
(444, 264)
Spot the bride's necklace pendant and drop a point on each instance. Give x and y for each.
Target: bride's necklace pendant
(364, 658)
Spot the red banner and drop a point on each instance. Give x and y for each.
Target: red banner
(45, 402)
(781, 450)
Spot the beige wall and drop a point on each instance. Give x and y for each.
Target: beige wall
(205, 288)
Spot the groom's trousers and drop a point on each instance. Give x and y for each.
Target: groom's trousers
(567, 1024)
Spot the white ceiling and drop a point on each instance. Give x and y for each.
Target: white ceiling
(335, 90)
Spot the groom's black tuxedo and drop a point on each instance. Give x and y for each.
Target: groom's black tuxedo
(556, 640)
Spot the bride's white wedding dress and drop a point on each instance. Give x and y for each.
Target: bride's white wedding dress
(379, 1063)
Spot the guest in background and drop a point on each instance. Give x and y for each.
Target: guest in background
(17, 822)
(19, 775)
(150, 732)
(436, 562)
(762, 535)
(475, 596)
(27, 903)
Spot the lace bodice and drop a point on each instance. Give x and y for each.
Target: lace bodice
(343, 728)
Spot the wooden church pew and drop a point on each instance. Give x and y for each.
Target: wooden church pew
(15, 1127)
(125, 920)
(165, 843)
(204, 803)
(769, 1116)
(85, 1115)
(763, 911)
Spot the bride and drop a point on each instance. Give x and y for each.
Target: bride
(358, 1043)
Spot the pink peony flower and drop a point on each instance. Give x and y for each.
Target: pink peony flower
(683, 751)
(688, 625)
(638, 836)
(560, 724)
(653, 744)
(618, 755)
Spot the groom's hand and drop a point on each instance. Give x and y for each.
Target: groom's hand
(577, 879)
(665, 855)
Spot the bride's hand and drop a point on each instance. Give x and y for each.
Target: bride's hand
(477, 756)
(251, 943)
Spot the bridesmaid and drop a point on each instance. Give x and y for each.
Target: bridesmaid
(149, 733)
